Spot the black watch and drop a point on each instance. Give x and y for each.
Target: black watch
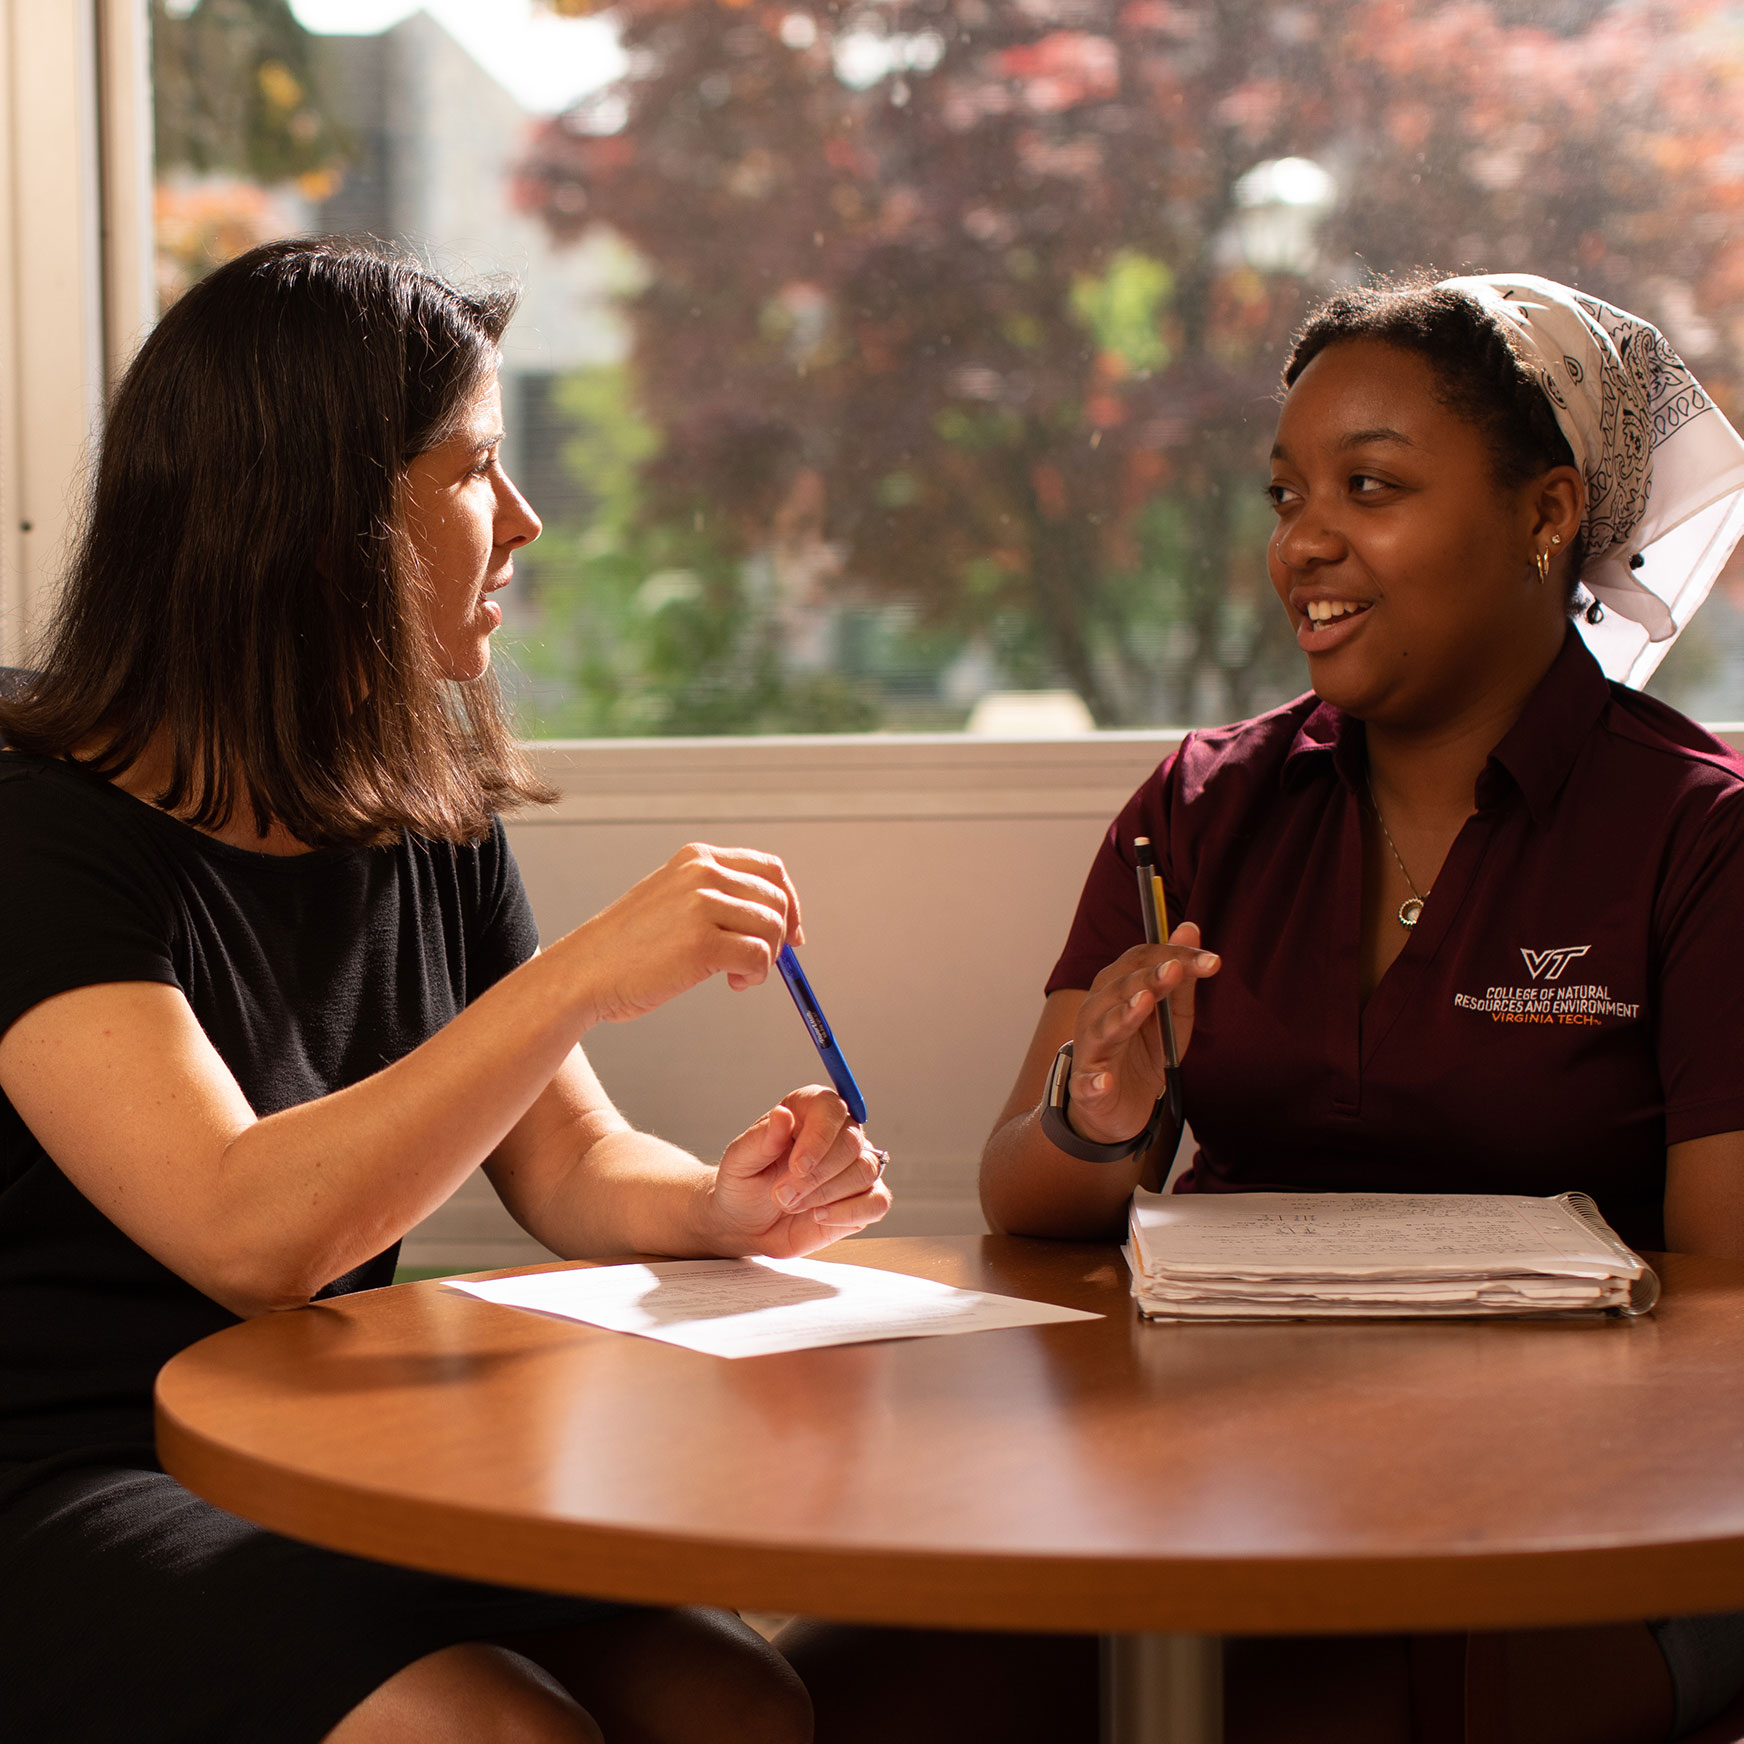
(1056, 1100)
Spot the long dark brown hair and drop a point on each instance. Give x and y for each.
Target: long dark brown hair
(242, 583)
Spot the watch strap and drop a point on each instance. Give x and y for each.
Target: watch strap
(1056, 1100)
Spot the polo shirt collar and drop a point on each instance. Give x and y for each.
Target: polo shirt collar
(1537, 752)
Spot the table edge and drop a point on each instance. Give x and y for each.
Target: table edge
(926, 1587)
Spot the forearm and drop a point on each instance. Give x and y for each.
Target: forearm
(576, 1176)
(129, 1095)
(1704, 1196)
(308, 1193)
(1031, 1187)
(624, 1192)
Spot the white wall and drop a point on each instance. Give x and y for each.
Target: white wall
(938, 878)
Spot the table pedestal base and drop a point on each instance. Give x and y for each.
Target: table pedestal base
(1162, 1689)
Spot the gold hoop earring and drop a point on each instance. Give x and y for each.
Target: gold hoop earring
(1542, 559)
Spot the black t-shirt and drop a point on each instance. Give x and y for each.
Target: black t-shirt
(307, 973)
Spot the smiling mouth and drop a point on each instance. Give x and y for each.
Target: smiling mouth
(1322, 612)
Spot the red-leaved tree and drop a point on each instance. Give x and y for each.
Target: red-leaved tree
(985, 260)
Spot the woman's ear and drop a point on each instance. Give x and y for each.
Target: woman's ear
(1559, 505)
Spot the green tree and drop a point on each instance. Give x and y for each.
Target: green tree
(643, 622)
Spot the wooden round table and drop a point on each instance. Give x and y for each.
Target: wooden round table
(1105, 1475)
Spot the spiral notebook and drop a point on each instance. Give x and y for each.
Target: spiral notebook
(1298, 1256)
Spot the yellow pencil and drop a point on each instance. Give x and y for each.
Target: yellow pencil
(1155, 908)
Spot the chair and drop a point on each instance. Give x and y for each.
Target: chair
(12, 680)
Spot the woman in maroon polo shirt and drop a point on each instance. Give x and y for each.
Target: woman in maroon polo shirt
(1474, 907)
(1465, 919)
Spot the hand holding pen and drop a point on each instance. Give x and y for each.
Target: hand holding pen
(805, 1174)
(801, 1176)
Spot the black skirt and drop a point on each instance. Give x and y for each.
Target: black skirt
(130, 1609)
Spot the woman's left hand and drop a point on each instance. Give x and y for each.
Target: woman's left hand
(804, 1175)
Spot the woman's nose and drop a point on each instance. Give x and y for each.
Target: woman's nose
(516, 523)
(1307, 538)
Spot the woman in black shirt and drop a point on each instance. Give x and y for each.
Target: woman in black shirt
(270, 990)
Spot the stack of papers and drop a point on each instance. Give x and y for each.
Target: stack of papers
(1297, 1256)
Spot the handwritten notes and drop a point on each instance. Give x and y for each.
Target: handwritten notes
(1296, 1255)
(737, 1308)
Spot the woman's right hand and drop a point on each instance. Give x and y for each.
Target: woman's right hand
(707, 911)
(1117, 1053)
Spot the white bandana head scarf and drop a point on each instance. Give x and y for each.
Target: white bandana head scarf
(1663, 467)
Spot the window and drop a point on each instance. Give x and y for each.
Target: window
(908, 364)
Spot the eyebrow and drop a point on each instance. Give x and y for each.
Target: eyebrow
(1362, 438)
(1356, 439)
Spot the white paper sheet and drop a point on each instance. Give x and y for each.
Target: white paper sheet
(761, 1307)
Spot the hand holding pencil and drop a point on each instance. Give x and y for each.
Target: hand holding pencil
(1154, 906)
(1136, 1024)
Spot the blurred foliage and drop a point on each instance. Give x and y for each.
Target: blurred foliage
(235, 91)
(981, 266)
(648, 627)
(951, 369)
(244, 140)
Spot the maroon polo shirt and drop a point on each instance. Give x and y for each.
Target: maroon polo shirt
(1571, 1002)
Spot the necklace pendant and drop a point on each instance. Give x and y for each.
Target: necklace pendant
(1410, 912)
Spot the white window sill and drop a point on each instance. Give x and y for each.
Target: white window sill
(859, 777)
(855, 776)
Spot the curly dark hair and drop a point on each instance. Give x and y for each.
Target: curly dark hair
(1479, 377)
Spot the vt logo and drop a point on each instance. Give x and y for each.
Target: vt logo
(1549, 965)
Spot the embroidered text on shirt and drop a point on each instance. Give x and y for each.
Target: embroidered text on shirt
(1584, 1004)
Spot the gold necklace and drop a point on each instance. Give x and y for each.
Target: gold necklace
(1411, 909)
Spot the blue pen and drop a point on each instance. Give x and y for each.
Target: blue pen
(823, 1038)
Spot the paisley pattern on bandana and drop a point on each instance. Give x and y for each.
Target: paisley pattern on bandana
(1649, 395)
(1646, 393)
(1664, 469)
